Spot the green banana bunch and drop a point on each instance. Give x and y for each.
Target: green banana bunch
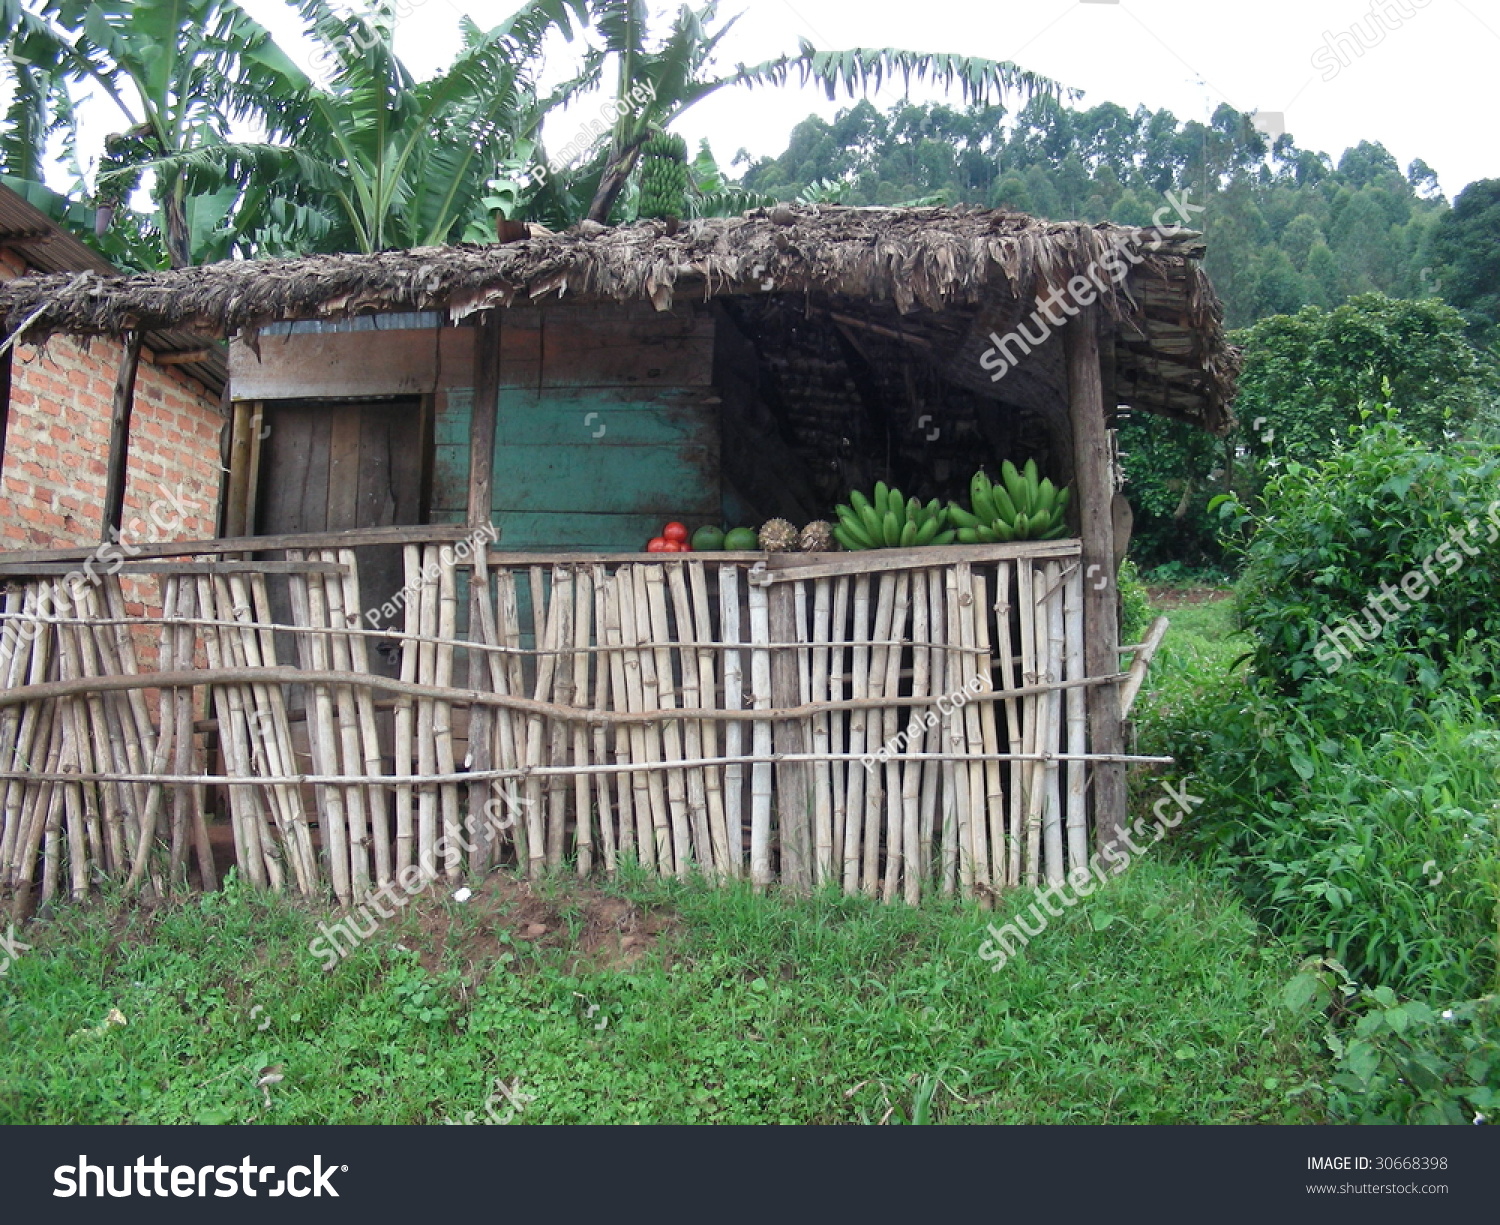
(1020, 506)
(664, 177)
(889, 521)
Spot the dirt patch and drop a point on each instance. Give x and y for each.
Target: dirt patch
(1182, 597)
(596, 930)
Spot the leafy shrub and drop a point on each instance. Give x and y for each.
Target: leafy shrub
(1403, 1062)
(1135, 604)
(1382, 855)
(1338, 545)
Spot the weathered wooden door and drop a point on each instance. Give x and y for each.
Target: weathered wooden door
(328, 467)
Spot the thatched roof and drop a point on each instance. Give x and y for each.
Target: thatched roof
(940, 278)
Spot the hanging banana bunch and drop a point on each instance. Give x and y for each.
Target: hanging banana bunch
(1020, 506)
(664, 177)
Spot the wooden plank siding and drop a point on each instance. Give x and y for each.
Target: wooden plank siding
(616, 432)
(607, 427)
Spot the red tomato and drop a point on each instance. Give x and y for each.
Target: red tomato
(659, 544)
(675, 546)
(675, 531)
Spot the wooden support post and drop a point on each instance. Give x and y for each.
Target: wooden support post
(5, 375)
(237, 518)
(793, 805)
(1095, 486)
(119, 436)
(482, 421)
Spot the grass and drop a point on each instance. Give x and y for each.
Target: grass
(1152, 1002)
(1156, 1000)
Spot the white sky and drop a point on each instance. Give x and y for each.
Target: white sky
(1427, 88)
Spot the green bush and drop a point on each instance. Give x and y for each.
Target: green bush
(1380, 854)
(1402, 1062)
(1386, 548)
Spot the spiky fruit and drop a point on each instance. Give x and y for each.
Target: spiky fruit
(778, 536)
(817, 537)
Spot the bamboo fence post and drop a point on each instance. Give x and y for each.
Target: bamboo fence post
(821, 733)
(227, 706)
(105, 740)
(600, 733)
(635, 828)
(281, 752)
(1077, 820)
(1030, 730)
(1056, 648)
(662, 819)
(486, 736)
(760, 772)
(307, 610)
(557, 732)
(882, 725)
(932, 832)
(442, 722)
(75, 747)
(427, 795)
(583, 617)
(708, 729)
(836, 772)
(47, 820)
(734, 774)
(512, 737)
(106, 718)
(658, 670)
(859, 721)
(960, 634)
(972, 610)
(910, 857)
(794, 827)
(994, 792)
(1016, 838)
(895, 804)
(377, 805)
(692, 729)
(405, 715)
(545, 626)
(244, 727)
(186, 659)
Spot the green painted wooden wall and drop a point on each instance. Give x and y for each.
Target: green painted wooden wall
(607, 427)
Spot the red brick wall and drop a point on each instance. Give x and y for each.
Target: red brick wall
(57, 449)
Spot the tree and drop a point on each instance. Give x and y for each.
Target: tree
(679, 73)
(1308, 377)
(1467, 243)
(378, 159)
(180, 72)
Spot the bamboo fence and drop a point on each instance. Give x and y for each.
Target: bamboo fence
(886, 723)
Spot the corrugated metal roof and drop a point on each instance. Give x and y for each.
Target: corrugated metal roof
(47, 247)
